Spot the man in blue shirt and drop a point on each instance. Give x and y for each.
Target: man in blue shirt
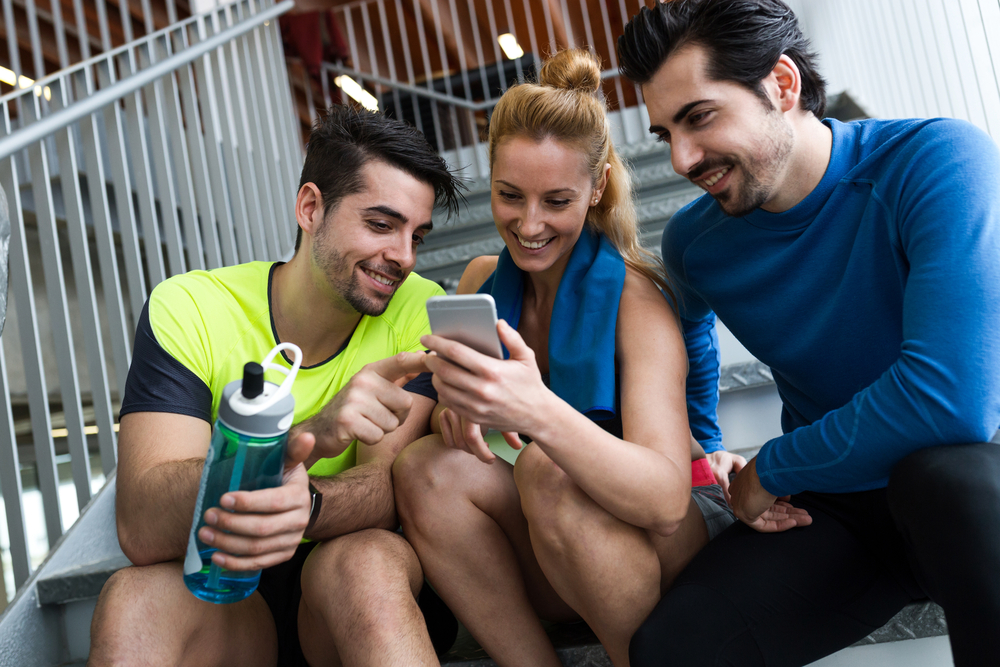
(860, 262)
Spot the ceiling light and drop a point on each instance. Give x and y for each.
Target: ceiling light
(510, 47)
(356, 92)
(8, 77)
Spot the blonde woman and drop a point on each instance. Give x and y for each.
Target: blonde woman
(597, 516)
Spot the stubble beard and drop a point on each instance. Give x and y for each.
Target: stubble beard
(766, 160)
(334, 266)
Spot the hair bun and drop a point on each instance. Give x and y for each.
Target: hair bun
(572, 69)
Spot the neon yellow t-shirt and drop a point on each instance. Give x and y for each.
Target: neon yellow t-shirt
(199, 329)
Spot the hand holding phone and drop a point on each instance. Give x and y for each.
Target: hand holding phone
(470, 319)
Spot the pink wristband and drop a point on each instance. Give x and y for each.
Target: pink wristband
(701, 473)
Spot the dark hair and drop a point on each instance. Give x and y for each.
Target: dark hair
(744, 39)
(344, 139)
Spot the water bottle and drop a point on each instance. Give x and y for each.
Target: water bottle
(247, 453)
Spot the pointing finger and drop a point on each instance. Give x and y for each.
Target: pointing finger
(400, 365)
(458, 354)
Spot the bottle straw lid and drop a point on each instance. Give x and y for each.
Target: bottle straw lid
(253, 380)
(269, 412)
(251, 405)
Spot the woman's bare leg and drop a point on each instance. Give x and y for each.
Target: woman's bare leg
(611, 572)
(464, 520)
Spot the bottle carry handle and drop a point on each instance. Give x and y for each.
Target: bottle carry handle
(283, 390)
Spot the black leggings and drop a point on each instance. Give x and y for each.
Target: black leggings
(791, 598)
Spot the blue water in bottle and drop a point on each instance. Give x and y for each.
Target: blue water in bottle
(247, 453)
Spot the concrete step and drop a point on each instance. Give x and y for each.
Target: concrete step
(577, 646)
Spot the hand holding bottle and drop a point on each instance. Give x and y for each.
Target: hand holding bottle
(262, 528)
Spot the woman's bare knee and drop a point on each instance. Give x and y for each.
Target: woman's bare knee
(428, 478)
(547, 492)
(535, 473)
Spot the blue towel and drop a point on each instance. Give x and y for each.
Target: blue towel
(584, 317)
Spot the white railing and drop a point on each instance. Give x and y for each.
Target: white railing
(440, 64)
(177, 151)
(75, 35)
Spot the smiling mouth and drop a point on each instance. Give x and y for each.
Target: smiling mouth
(533, 245)
(714, 178)
(379, 278)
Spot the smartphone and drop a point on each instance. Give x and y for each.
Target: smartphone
(470, 319)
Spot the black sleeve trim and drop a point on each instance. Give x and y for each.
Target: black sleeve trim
(422, 385)
(157, 382)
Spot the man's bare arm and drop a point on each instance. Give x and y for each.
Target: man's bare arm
(362, 497)
(160, 457)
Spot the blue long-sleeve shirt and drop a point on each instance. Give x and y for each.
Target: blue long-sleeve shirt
(875, 301)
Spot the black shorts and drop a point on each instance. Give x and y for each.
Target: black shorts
(281, 588)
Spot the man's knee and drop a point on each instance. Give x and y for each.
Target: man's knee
(946, 479)
(136, 587)
(132, 604)
(693, 626)
(361, 573)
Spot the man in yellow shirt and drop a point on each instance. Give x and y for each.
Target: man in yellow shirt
(348, 299)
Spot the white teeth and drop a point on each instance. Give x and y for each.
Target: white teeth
(533, 245)
(381, 279)
(712, 180)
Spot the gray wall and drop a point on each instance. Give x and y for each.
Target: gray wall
(911, 58)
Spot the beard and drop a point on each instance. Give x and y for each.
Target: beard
(344, 280)
(758, 170)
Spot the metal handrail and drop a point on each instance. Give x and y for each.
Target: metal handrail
(105, 96)
(174, 152)
(124, 48)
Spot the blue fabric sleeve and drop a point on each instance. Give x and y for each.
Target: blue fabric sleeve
(702, 343)
(945, 386)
